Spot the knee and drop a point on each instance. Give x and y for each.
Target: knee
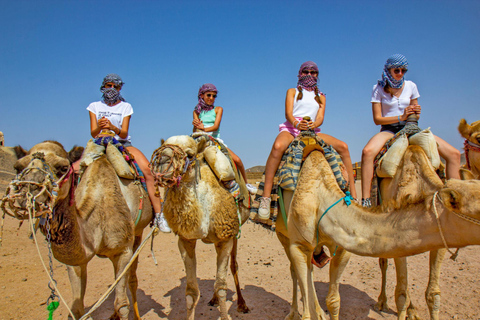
(368, 153)
(342, 148)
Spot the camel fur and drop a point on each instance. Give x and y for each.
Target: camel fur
(201, 209)
(99, 221)
(471, 133)
(392, 230)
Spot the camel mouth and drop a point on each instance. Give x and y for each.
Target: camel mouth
(168, 164)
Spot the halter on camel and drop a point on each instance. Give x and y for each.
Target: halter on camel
(470, 146)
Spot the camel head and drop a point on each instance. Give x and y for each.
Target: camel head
(170, 162)
(41, 173)
(470, 132)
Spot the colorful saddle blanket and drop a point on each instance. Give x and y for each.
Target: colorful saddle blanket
(286, 177)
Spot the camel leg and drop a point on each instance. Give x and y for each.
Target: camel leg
(241, 304)
(402, 298)
(432, 295)
(381, 304)
(121, 304)
(192, 293)
(301, 258)
(293, 314)
(337, 266)
(224, 250)
(78, 282)
(133, 281)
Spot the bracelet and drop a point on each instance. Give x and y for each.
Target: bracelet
(398, 118)
(296, 125)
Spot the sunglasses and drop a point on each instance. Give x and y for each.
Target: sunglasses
(399, 70)
(110, 85)
(209, 95)
(312, 72)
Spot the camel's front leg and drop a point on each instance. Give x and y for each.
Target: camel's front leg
(432, 295)
(301, 258)
(293, 314)
(121, 304)
(224, 250)
(192, 293)
(402, 298)
(133, 281)
(78, 282)
(381, 304)
(241, 304)
(337, 266)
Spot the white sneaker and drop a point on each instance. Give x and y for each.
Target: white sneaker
(251, 188)
(264, 208)
(162, 223)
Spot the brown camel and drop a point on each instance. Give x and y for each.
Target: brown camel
(471, 133)
(101, 217)
(394, 229)
(197, 207)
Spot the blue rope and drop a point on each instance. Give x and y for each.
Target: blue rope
(348, 201)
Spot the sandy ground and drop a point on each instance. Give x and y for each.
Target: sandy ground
(264, 276)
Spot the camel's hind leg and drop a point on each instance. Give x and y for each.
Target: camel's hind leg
(381, 304)
(78, 282)
(293, 314)
(301, 258)
(192, 293)
(224, 250)
(133, 281)
(121, 304)
(337, 266)
(402, 298)
(432, 295)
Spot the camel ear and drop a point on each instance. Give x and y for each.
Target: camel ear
(465, 129)
(75, 154)
(162, 141)
(451, 198)
(466, 174)
(20, 152)
(22, 163)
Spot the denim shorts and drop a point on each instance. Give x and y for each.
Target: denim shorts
(393, 127)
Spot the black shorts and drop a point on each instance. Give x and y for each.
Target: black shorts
(393, 127)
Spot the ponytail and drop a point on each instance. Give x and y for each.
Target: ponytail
(300, 93)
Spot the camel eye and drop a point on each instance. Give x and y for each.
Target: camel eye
(61, 170)
(18, 167)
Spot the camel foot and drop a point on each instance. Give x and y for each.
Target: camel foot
(214, 301)
(120, 314)
(320, 260)
(381, 306)
(412, 314)
(293, 315)
(242, 308)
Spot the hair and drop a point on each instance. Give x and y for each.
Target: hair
(317, 97)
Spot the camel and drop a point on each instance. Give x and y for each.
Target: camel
(398, 228)
(197, 207)
(471, 133)
(102, 216)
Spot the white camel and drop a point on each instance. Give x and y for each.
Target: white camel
(198, 207)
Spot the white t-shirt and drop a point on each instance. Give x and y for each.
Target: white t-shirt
(307, 106)
(391, 105)
(114, 113)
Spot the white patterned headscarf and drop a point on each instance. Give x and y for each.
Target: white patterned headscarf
(111, 95)
(395, 61)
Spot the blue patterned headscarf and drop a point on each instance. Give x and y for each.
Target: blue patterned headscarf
(202, 105)
(307, 82)
(111, 95)
(395, 61)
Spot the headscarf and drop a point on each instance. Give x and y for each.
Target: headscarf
(395, 61)
(307, 82)
(202, 105)
(111, 95)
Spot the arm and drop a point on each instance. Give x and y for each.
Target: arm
(379, 120)
(197, 123)
(97, 126)
(320, 113)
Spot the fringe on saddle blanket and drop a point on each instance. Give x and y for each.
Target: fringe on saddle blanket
(408, 130)
(290, 166)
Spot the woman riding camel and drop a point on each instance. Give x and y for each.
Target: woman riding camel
(207, 118)
(304, 100)
(111, 116)
(393, 100)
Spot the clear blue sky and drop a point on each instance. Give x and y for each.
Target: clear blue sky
(54, 55)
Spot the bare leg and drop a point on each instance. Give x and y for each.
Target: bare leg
(239, 164)
(150, 182)
(342, 149)
(279, 146)
(451, 156)
(369, 153)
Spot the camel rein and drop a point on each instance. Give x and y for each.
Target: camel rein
(174, 163)
(460, 215)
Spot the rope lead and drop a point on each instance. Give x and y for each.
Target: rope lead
(348, 201)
